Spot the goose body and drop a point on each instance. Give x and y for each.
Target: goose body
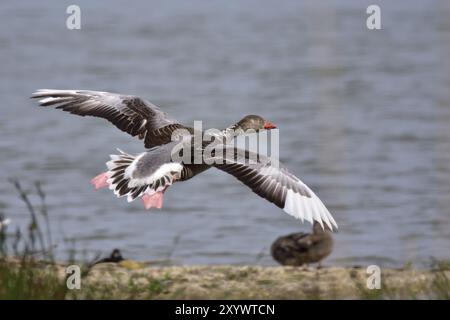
(148, 175)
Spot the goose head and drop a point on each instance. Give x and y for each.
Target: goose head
(255, 122)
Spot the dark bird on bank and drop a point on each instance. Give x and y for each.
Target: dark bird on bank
(300, 248)
(114, 257)
(147, 175)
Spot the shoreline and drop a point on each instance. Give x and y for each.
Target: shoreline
(138, 280)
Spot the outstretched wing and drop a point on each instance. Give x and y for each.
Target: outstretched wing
(272, 181)
(130, 114)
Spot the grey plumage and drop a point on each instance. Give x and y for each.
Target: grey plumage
(130, 114)
(150, 171)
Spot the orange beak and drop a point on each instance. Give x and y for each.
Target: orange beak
(269, 125)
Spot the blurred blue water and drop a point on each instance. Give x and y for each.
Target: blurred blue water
(364, 118)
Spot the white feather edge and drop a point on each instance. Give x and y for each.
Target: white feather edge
(309, 209)
(74, 92)
(48, 95)
(55, 92)
(302, 207)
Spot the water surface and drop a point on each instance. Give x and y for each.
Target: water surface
(363, 115)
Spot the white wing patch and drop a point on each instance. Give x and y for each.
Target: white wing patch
(308, 209)
(300, 206)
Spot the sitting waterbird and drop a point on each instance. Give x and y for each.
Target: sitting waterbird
(148, 175)
(300, 248)
(114, 257)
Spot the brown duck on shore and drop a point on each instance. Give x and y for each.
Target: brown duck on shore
(300, 248)
(114, 257)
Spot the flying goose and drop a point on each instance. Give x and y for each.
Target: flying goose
(147, 175)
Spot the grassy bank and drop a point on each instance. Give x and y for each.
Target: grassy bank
(21, 279)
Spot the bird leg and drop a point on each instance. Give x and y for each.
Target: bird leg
(100, 181)
(154, 200)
